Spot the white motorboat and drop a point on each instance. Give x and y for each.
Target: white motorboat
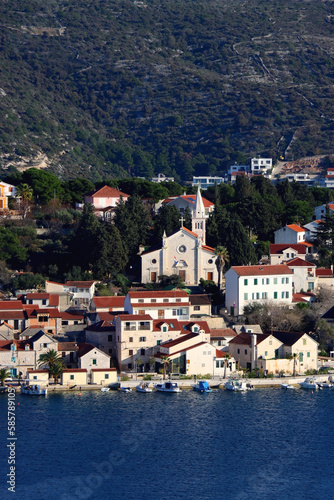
(309, 383)
(287, 386)
(238, 385)
(143, 387)
(167, 387)
(34, 390)
(105, 389)
(325, 385)
(125, 389)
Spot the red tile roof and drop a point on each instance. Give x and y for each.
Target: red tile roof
(108, 316)
(12, 315)
(74, 316)
(296, 228)
(38, 296)
(297, 262)
(220, 354)
(67, 346)
(7, 305)
(107, 192)
(109, 302)
(160, 354)
(321, 272)
(187, 325)
(76, 370)
(245, 338)
(276, 248)
(157, 294)
(80, 284)
(173, 324)
(191, 198)
(85, 347)
(222, 332)
(104, 370)
(134, 317)
(262, 270)
(179, 340)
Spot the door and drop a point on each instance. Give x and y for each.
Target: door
(161, 314)
(210, 276)
(182, 275)
(153, 277)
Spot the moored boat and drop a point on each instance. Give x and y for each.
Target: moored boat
(325, 385)
(202, 386)
(114, 386)
(309, 383)
(238, 385)
(125, 389)
(105, 389)
(167, 387)
(143, 387)
(287, 386)
(34, 390)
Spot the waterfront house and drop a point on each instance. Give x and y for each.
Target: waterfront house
(74, 376)
(274, 352)
(38, 376)
(103, 376)
(16, 356)
(221, 337)
(257, 284)
(89, 356)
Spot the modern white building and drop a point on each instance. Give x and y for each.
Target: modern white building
(162, 178)
(172, 304)
(261, 165)
(329, 179)
(206, 181)
(248, 284)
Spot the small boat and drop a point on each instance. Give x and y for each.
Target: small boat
(325, 385)
(202, 386)
(238, 385)
(125, 389)
(143, 387)
(167, 387)
(34, 390)
(105, 389)
(287, 386)
(309, 383)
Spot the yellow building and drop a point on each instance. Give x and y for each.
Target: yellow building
(74, 376)
(103, 376)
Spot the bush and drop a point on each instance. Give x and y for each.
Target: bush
(125, 378)
(311, 372)
(147, 377)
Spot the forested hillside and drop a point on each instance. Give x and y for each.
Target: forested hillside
(118, 88)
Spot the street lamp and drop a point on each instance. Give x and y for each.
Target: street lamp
(214, 362)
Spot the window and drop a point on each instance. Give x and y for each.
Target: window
(245, 296)
(71, 377)
(275, 281)
(304, 341)
(196, 329)
(283, 281)
(264, 295)
(130, 352)
(275, 295)
(257, 295)
(109, 338)
(255, 281)
(253, 296)
(217, 364)
(140, 301)
(64, 322)
(267, 281)
(110, 351)
(44, 302)
(245, 282)
(245, 351)
(130, 366)
(165, 300)
(262, 281)
(164, 328)
(158, 342)
(283, 294)
(286, 280)
(106, 375)
(142, 352)
(130, 339)
(63, 354)
(308, 354)
(286, 295)
(270, 342)
(94, 361)
(153, 300)
(238, 351)
(197, 308)
(266, 353)
(142, 339)
(178, 300)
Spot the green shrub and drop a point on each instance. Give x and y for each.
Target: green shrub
(147, 377)
(125, 378)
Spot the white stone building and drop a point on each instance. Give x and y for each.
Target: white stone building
(248, 284)
(291, 233)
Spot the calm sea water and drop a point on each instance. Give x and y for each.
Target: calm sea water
(266, 444)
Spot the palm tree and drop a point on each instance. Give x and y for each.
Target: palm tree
(4, 373)
(222, 257)
(25, 192)
(53, 362)
(165, 361)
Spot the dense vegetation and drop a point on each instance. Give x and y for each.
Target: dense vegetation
(117, 88)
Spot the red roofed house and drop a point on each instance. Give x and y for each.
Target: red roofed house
(81, 292)
(304, 277)
(325, 277)
(192, 354)
(291, 233)
(159, 304)
(248, 284)
(105, 200)
(183, 252)
(107, 304)
(281, 252)
(188, 201)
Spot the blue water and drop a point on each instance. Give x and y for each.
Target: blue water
(266, 444)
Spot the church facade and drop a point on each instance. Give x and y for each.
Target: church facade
(183, 252)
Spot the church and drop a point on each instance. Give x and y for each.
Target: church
(183, 252)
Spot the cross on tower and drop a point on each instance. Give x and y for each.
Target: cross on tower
(181, 220)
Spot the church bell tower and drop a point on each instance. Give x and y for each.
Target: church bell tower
(198, 217)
